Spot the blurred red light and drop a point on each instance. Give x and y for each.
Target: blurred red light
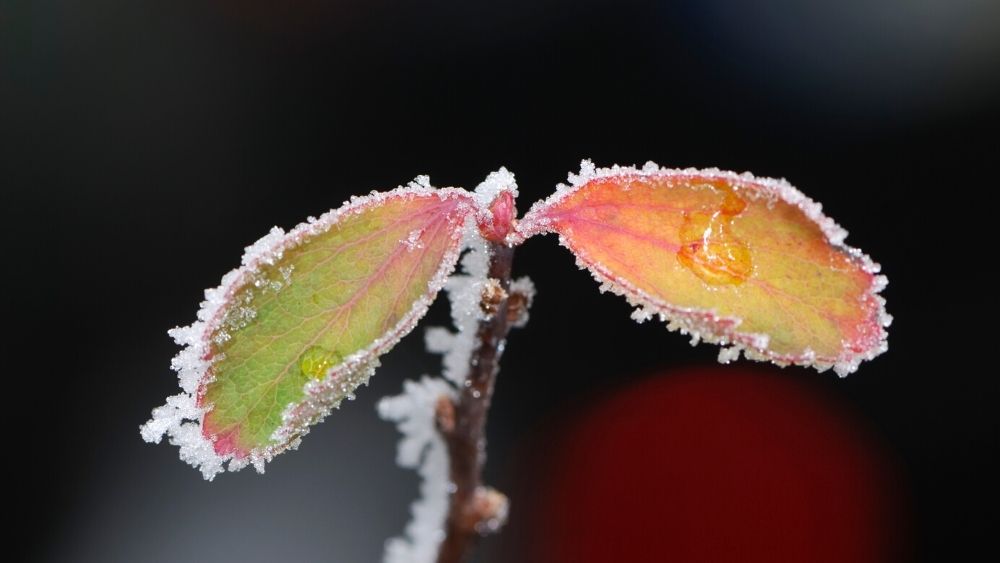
(717, 465)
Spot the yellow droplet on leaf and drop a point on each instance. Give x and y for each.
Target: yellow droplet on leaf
(708, 247)
(316, 361)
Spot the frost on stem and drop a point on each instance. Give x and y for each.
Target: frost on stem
(417, 411)
(423, 449)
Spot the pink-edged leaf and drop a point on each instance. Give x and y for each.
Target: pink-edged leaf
(746, 262)
(295, 329)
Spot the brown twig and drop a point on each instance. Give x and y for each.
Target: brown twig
(475, 510)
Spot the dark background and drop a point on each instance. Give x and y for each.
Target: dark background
(145, 143)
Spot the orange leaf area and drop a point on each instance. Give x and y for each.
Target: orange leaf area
(732, 259)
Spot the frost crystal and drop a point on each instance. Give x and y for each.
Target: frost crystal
(422, 448)
(412, 241)
(730, 354)
(491, 187)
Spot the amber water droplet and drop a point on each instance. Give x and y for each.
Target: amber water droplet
(732, 204)
(708, 247)
(317, 360)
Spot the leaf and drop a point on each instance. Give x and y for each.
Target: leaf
(301, 324)
(731, 259)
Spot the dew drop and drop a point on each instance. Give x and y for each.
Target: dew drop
(708, 247)
(316, 361)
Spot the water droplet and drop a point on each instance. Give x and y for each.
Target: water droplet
(708, 247)
(317, 360)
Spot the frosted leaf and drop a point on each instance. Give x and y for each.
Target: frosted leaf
(745, 262)
(490, 188)
(276, 346)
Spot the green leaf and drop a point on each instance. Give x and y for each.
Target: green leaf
(295, 330)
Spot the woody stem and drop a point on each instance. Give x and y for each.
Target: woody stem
(473, 509)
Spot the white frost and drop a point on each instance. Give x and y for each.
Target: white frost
(412, 241)
(422, 448)
(730, 354)
(464, 294)
(490, 188)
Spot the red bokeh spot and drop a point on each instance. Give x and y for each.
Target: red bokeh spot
(716, 465)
